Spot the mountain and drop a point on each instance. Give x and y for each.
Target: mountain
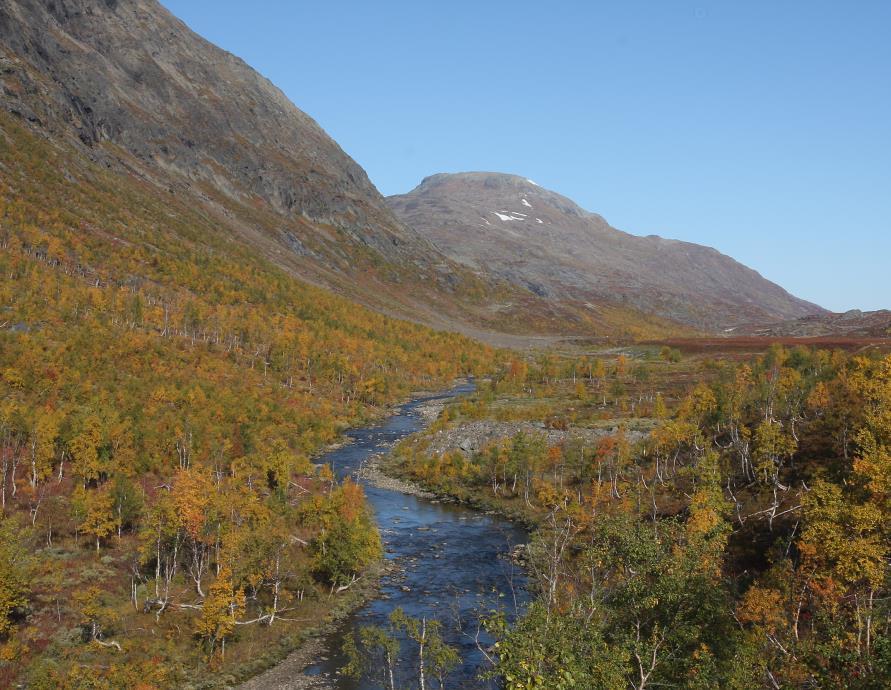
(126, 86)
(508, 227)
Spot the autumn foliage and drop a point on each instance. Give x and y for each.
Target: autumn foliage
(719, 523)
(164, 387)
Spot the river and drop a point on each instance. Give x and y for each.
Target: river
(451, 560)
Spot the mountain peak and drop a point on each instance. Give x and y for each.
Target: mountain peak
(509, 226)
(501, 192)
(486, 179)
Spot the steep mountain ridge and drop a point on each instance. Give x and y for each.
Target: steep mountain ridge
(516, 230)
(124, 85)
(129, 73)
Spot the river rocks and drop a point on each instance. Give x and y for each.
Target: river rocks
(371, 473)
(472, 437)
(288, 674)
(519, 554)
(430, 411)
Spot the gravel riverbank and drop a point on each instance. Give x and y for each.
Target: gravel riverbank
(372, 474)
(288, 675)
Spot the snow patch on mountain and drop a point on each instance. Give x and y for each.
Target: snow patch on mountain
(510, 215)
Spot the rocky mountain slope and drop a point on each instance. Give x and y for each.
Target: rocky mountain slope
(512, 228)
(128, 77)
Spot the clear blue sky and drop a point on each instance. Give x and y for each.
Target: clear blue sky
(759, 128)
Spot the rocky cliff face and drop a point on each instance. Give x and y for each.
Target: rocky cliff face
(132, 85)
(512, 228)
